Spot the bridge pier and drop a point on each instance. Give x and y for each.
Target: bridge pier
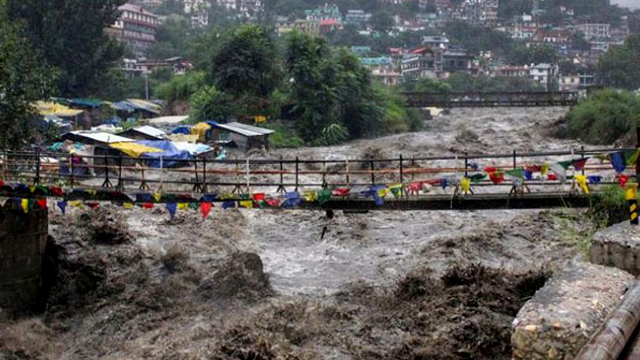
(23, 238)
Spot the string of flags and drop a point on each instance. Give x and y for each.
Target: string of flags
(34, 196)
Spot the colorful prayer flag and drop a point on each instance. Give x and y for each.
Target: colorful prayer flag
(617, 161)
(205, 208)
(25, 205)
(582, 182)
(62, 205)
(171, 208)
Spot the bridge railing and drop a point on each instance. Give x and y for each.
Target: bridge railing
(490, 99)
(416, 174)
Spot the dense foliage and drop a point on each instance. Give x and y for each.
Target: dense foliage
(24, 78)
(70, 35)
(620, 66)
(605, 117)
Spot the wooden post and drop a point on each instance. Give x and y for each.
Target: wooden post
(72, 169)
(515, 163)
(612, 337)
(281, 187)
(347, 172)
(413, 166)
(373, 176)
(297, 172)
(204, 174)
(582, 157)
(37, 166)
(466, 165)
(120, 186)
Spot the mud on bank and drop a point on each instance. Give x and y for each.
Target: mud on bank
(121, 293)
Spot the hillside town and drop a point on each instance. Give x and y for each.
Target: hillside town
(573, 43)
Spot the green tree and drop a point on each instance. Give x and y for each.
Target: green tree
(523, 55)
(70, 35)
(313, 88)
(382, 21)
(24, 78)
(620, 66)
(605, 117)
(244, 65)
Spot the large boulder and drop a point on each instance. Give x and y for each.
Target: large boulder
(562, 315)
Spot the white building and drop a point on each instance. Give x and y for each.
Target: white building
(595, 31)
(544, 74)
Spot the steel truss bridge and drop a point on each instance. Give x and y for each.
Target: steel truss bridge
(490, 99)
(421, 183)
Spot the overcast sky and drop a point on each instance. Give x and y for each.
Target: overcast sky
(634, 4)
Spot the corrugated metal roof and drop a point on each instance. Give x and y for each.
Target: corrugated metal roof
(246, 130)
(102, 137)
(151, 131)
(168, 119)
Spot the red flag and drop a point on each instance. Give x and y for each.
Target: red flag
(259, 197)
(94, 206)
(273, 202)
(551, 176)
(534, 168)
(1, 183)
(623, 180)
(490, 169)
(496, 177)
(147, 206)
(56, 191)
(42, 204)
(579, 164)
(341, 192)
(205, 207)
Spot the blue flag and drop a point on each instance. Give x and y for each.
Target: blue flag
(63, 206)
(618, 161)
(172, 207)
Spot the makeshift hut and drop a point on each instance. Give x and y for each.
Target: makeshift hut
(246, 137)
(145, 132)
(93, 110)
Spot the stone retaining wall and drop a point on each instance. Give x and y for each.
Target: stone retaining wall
(23, 238)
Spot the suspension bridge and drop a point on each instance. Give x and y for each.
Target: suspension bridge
(490, 99)
(480, 181)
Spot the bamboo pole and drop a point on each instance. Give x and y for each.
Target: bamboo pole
(612, 337)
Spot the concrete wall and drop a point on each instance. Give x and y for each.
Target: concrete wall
(23, 238)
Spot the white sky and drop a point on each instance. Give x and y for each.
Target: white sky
(634, 4)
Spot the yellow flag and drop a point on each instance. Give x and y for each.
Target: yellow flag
(582, 182)
(310, 196)
(128, 205)
(544, 169)
(383, 192)
(76, 203)
(247, 204)
(183, 206)
(92, 192)
(25, 205)
(465, 185)
(157, 196)
(32, 188)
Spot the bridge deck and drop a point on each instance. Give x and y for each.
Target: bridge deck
(490, 99)
(428, 183)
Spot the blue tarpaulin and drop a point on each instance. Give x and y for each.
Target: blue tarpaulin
(123, 106)
(182, 129)
(170, 154)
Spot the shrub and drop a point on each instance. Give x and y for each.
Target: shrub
(605, 117)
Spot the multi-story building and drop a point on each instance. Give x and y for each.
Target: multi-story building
(424, 62)
(510, 71)
(441, 42)
(455, 59)
(595, 31)
(285, 26)
(357, 17)
(136, 28)
(544, 74)
(326, 12)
